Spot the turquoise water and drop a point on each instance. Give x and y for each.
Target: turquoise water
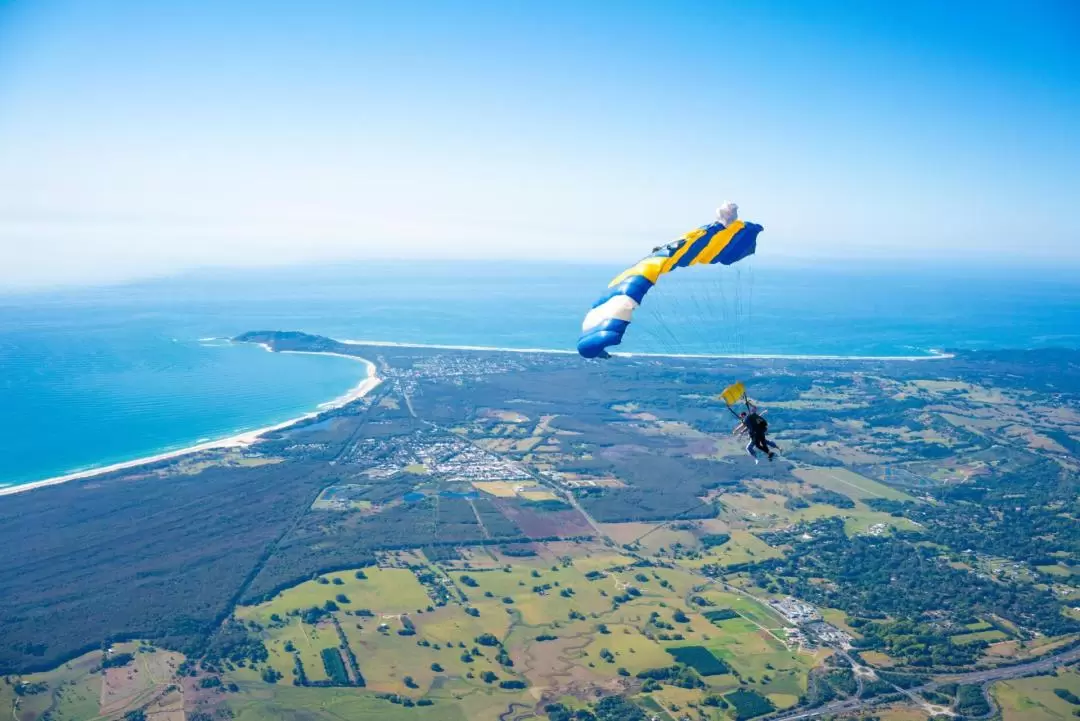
(93, 377)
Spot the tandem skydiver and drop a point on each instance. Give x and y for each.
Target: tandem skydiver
(752, 422)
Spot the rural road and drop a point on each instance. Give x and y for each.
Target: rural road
(975, 677)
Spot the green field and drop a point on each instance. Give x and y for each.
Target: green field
(71, 693)
(746, 607)
(743, 547)
(1033, 699)
(770, 510)
(989, 636)
(595, 630)
(385, 590)
(80, 691)
(631, 649)
(287, 703)
(1060, 570)
(850, 484)
(386, 658)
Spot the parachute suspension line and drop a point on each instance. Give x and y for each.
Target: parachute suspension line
(750, 307)
(717, 310)
(664, 346)
(705, 320)
(674, 346)
(736, 323)
(661, 333)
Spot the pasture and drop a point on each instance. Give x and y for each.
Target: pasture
(848, 483)
(1034, 698)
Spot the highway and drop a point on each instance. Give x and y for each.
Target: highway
(981, 678)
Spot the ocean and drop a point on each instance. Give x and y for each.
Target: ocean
(91, 377)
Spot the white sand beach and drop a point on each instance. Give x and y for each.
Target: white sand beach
(933, 354)
(240, 440)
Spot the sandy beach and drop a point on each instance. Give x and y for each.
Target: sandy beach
(240, 440)
(372, 381)
(934, 354)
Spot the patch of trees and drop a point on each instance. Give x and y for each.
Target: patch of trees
(559, 712)
(1015, 514)
(518, 550)
(117, 660)
(970, 701)
(872, 688)
(818, 692)
(618, 708)
(1066, 695)
(31, 689)
(548, 505)
(234, 643)
(335, 667)
(712, 540)
(611, 708)
(748, 704)
(872, 577)
(512, 685)
(831, 498)
(676, 675)
(323, 541)
(132, 544)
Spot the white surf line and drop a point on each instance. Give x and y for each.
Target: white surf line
(935, 354)
(239, 440)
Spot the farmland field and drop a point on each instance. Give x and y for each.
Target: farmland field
(1033, 699)
(848, 483)
(700, 659)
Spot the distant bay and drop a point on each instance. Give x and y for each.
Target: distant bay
(96, 376)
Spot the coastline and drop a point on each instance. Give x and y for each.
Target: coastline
(238, 440)
(934, 354)
(371, 381)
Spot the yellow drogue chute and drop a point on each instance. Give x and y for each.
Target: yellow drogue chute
(733, 394)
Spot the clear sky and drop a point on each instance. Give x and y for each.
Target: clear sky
(141, 138)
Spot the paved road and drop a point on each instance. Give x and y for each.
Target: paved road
(975, 677)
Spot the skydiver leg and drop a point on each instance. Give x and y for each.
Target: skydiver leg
(763, 444)
(750, 450)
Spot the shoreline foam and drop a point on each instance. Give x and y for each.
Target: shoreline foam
(238, 440)
(935, 354)
(247, 438)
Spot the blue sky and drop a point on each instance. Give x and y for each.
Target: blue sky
(144, 138)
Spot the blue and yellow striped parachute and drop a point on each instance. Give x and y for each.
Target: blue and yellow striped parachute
(719, 242)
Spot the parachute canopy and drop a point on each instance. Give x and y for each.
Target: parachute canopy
(725, 241)
(733, 393)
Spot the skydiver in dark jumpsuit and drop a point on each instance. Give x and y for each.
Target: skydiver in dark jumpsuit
(753, 424)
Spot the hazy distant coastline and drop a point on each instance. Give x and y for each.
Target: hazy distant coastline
(932, 354)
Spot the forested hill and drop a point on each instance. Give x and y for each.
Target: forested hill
(1052, 370)
(291, 340)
